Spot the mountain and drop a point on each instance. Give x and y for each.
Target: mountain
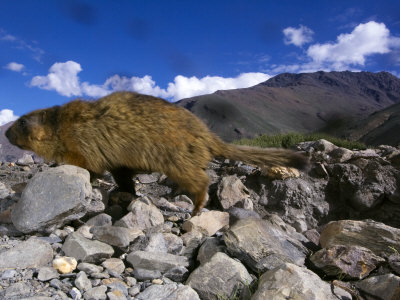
(379, 128)
(305, 102)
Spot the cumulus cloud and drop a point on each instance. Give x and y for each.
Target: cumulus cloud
(297, 36)
(353, 48)
(350, 51)
(63, 78)
(7, 115)
(13, 66)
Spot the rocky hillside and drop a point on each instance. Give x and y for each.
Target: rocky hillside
(305, 102)
(331, 233)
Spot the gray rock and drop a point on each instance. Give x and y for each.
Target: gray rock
(144, 274)
(267, 249)
(89, 268)
(148, 178)
(4, 191)
(116, 295)
(82, 282)
(236, 213)
(25, 160)
(174, 243)
(32, 253)
(143, 215)
(192, 241)
(53, 198)
(177, 274)
(100, 220)
(114, 264)
(156, 260)
(220, 276)
(86, 250)
(47, 273)
(208, 223)
(114, 235)
(75, 293)
(300, 202)
(173, 291)
(289, 281)
(209, 247)
(96, 293)
(17, 290)
(348, 262)
(377, 237)
(157, 243)
(380, 287)
(230, 191)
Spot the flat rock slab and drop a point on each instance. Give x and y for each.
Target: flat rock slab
(219, 278)
(380, 287)
(377, 237)
(156, 260)
(170, 291)
(289, 281)
(208, 223)
(55, 196)
(262, 245)
(86, 250)
(349, 262)
(32, 253)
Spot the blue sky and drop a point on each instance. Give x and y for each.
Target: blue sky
(55, 51)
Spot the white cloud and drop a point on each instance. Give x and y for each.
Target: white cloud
(7, 115)
(353, 48)
(13, 66)
(350, 51)
(297, 36)
(63, 78)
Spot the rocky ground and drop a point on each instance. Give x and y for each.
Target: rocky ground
(330, 233)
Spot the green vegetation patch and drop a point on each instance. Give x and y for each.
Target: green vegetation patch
(289, 140)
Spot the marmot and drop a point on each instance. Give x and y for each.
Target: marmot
(127, 132)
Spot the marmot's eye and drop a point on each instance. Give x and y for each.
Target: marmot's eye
(22, 122)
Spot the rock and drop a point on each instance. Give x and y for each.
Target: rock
(17, 290)
(53, 198)
(220, 276)
(82, 282)
(230, 191)
(207, 223)
(96, 293)
(144, 274)
(114, 264)
(156, 260)
(47, 273)
(209, 247)
(289, 281)
(177, 274)
(172, 291)
(100, 220)
(282, 173)
(300, 202)
(116, 295)
(380, 287)
(25, 160)
(115, 235)
(192, 241)
(174, 243)
(375, 236)
(75, 293)
(86, 250)
(89, 268)
(236, 213)
(340, 154)
(347, 262)
(157, 243)
(65, 264)
(143, 215)
(148, 178)
(32, 253)
(267, 249)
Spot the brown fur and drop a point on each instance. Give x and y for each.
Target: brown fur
(126, 133)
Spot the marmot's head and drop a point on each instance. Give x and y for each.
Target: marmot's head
(32, 129)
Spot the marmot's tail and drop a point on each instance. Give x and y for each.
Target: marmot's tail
(263, 157)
